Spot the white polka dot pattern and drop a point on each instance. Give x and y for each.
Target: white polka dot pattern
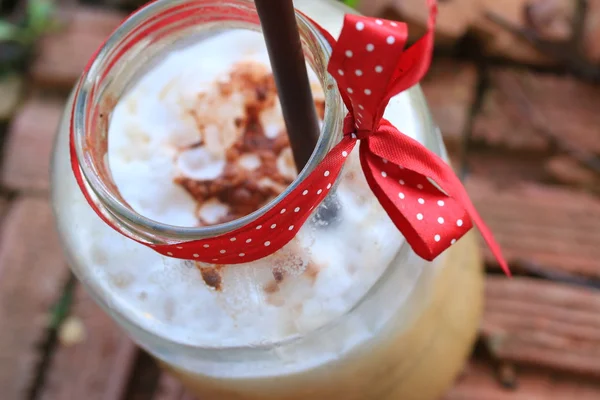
(371, 65)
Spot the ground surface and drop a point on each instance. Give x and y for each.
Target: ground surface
(522, 137)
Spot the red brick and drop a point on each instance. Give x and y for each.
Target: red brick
(62, 56)
(592, 31)
(542, 323)
(93, 365)
(549, 226)
(32, 275)
(504, 167)
(29, 145)
(522, 108)
(567, 170)
(479, 383)
(450, 89)
(552, 18)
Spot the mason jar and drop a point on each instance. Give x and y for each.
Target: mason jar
(356, 315)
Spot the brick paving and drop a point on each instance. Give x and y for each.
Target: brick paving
(543, 323)
(524, 110)
(28, 147)
(548, 226)
(450, 89)
(32, 276)
(62, 56)
(479, 383)
(566, 170)
(93, 359)
(542, 203)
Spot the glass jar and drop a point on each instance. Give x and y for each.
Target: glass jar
(373, 321)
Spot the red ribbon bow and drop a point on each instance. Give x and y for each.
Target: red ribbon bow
(417, 189)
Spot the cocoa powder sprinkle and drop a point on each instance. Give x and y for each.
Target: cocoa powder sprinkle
(243, 190)
(212, 277)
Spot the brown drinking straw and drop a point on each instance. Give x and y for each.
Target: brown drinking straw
(278, 21)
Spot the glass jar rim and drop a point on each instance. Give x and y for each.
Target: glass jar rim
(83, 110)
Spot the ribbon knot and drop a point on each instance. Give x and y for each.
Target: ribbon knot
(353, 130)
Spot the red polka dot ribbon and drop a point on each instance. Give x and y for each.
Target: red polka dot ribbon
(418, 190)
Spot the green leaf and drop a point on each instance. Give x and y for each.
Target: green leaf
(351, 3)
(8, 31)
(61, 309)
(39, 14)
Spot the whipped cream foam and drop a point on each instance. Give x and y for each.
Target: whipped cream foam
(154, 139)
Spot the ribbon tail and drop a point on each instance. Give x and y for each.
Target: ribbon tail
(486, 233)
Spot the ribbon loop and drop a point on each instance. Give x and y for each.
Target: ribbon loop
(430, 219)
(364, 65)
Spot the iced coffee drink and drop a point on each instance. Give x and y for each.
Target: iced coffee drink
(192, 138)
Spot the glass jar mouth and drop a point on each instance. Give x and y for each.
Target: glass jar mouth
(165, 24)
(91, 84)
